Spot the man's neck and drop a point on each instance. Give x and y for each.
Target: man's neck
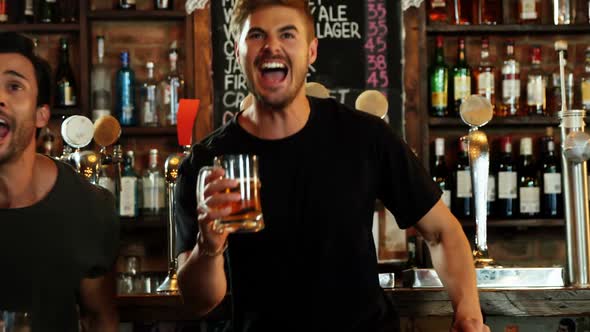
(273, 124)
(21, 181)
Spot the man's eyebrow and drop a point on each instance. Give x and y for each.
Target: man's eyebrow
(15, 73)
(288, 27)
(255, 29)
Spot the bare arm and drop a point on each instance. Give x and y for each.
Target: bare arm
(452, 259)
(98, 307)
(201, 274)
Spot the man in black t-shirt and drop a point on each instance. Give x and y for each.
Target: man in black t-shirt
(322, 166)
(58, 233)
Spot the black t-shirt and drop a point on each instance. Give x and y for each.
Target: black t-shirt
(47, 248)
(315, 260)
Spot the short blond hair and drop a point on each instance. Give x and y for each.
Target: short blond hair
(243, 8)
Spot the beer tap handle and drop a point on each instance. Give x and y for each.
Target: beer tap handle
(117, 159)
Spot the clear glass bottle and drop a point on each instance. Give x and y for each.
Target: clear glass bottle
(564, 11)
(125, 107)
(485, 74)
(154, 198)
(536, 86)
(100, 84)
(556, 89)
(148, 113)
(129, 194)
(510, 83)
(171, 90)
(585, 82)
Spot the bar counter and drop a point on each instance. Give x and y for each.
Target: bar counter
(410, 302)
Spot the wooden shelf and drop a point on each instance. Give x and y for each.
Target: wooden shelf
(494, 223)
(143, 222)
(148, 131)
(137, 15)
(41, 27)
(508, 29)
(498, 121)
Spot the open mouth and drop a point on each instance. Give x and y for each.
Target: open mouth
(273, 72)
(4, 129)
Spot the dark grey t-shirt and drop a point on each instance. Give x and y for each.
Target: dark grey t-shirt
(47, 248)
(315, 261)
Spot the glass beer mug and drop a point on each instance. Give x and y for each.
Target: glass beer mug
(246, 214)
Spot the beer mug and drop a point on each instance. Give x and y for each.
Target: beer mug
(246, 214)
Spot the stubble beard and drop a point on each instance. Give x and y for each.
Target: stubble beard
(21, 138)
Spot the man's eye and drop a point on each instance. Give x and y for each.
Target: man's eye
(14, 87)
(256, 35)
(288, 35)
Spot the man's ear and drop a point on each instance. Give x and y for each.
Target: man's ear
(42, 115)
(313, 51)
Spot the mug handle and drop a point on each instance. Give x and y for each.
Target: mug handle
(203, 173)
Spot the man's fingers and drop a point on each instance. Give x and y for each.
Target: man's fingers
(212, 214)
(219, 185)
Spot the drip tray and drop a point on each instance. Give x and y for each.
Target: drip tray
(494, 277)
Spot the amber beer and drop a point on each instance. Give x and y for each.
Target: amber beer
(246, 214)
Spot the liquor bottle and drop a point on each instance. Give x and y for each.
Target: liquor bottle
(165, 4)
(461, 77)
(555, 99)
(65, 82)
(438, 11)
(529, 192)
(100, 84)
(48, 11)
(462, 202)
(585, 82)
(126, 4)
(153, 187)
(551, 199)
(529, 11)
(125, 106)
(129, 195)
(148, 116)
(484, 75)
(439, 82)
(3, 11)
(510, 84)
(463, 13)
(171, 90)
(564, 12)
(536, 87)
(507, 199)
(489, 12)
(105, 180)
(440, 172)
(29, 12)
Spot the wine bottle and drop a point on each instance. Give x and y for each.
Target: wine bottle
(461, 77)
(529, 192)
(440, 172)
(439, 82)
(65, 82)
(462, 202)
(551, 199)
(507, 188)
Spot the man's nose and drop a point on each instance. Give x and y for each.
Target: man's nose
(272, 44)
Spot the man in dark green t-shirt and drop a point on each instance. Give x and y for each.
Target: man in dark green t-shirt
(58, 233)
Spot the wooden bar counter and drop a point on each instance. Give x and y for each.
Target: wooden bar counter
(410, 303)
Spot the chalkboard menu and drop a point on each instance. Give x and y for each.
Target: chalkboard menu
(359, 49)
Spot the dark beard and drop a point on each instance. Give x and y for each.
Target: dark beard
(20, 140)
(275, 106)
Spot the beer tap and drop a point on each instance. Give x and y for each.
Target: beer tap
(77, 132)
(575, 152)
(476, 111)
(107, 131)
(187, 112)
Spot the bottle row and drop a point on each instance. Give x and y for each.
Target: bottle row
(538, 93)
(138, 195)
(517, 188)
(491, 11)
(58, 11)
(151, 103)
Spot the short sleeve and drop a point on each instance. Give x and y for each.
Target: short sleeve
(186, 200)
(107, 234)
(404, 185)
